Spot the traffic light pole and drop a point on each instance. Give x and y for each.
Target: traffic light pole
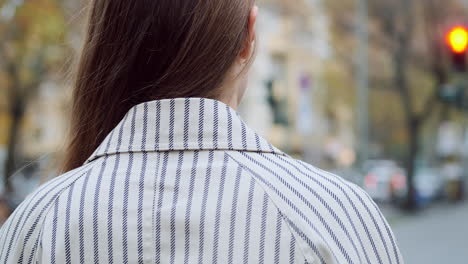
(362, 81)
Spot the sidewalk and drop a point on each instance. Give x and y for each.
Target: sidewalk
(436, 235)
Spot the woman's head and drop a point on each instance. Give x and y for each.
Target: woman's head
(142, 50)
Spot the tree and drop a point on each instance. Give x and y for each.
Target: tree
(31, 44)
(416, 45)
(408, 59)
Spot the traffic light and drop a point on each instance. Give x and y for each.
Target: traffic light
(457, 40)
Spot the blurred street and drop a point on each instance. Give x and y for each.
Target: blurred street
(433, 236)
(375, 91)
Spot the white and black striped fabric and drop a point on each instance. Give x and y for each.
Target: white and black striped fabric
(186, 181)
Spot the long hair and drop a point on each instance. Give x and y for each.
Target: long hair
(142, 50)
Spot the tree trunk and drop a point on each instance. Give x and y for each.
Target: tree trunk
(413, 150)
(16, 113)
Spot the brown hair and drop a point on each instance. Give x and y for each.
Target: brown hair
(142, 50)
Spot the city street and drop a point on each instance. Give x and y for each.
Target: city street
(434, 236)
(140, 100)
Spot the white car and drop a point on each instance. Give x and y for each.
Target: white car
(383, 180)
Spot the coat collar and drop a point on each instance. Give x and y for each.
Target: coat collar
(182, 124)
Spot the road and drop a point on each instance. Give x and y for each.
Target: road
(437, 235)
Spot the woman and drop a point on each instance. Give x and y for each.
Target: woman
(161, 169)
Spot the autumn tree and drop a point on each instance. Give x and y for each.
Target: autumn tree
(407, 58)
(31, 46)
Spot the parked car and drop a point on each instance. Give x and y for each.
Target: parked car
(429, 186)
(383, 180)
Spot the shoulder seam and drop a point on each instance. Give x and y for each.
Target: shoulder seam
(243, 167)
(48, 210)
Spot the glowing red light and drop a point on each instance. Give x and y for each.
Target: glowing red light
(457, 39)
(371, 181)
(398, 181)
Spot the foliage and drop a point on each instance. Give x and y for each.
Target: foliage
(408, 59)
(32, 36)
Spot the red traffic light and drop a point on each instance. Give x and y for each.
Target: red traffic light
(457, 39)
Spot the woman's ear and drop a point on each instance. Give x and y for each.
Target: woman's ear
(248, 48)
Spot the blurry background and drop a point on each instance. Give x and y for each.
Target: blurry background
(368, 89)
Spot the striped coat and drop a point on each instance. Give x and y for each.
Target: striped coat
(186, 181)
